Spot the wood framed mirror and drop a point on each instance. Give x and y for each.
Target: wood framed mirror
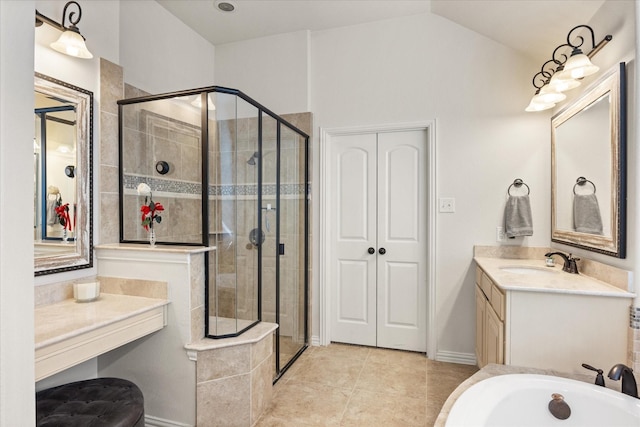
(63, 176)
(588, 168)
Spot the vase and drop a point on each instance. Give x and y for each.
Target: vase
(152, 237)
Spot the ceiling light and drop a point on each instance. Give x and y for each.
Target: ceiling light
(560, 73)
(225, 6)
(70, 42)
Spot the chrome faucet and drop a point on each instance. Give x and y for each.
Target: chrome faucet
(629, 385)
(570, 265)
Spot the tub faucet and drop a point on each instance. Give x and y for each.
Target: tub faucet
(570, 265)
(629, 385)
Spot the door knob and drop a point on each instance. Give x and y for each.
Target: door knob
(382, 251)
(371, 251)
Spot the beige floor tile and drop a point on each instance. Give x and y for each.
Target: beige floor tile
(300, 403)
(367, 408)
(341, 350)
(347, 385)
(443, 378)
(393, 378)
(329, 370)
(397, 357)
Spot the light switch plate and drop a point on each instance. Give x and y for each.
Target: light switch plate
(447, 204)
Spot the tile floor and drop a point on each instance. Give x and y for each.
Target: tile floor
(345, 385)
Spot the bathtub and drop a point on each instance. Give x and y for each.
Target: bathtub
(523, 400)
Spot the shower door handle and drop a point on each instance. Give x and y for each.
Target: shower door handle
(371, 251)
(382, 251)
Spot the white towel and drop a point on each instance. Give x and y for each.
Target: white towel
(52, 215)
(517, 217)
(586, 214)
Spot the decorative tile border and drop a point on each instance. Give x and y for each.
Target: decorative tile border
(634, 317)
(131, 182)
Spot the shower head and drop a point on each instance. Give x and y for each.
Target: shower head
(253, 158)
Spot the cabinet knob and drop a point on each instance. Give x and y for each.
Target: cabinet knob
(371, 251)
(382, 251)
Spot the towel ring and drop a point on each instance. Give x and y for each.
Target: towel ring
(582, 181)
(518, 183)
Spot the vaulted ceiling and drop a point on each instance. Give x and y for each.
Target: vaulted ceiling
(533, 27)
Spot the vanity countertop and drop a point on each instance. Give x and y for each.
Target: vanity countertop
(65, 319)
(68, 333)
(549, 279)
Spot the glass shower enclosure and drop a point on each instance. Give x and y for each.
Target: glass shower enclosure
(212, 167)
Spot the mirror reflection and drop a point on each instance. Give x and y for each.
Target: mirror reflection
(54, 161)
(62, 176)
(588, 169)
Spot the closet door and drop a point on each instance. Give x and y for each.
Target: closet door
(402, 233)
(353, 219)
(378, 221)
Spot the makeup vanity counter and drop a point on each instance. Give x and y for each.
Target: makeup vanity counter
(68, 333)
(528, 314)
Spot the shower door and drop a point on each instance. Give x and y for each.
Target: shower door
(282, 217)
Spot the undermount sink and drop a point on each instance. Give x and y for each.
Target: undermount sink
(523, 399)
(527, 270)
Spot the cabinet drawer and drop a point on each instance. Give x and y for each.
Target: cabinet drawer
(497, 301)
(486, 284)
(478, 276)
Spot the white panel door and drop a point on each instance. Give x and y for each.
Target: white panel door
(402, 233)
(353, 268)
(378, 188)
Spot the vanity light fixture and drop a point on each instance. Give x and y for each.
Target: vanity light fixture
(562, 72)
(70, 42)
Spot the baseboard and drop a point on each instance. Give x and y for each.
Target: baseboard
(315, 340)
(150, 421)
(455, 357)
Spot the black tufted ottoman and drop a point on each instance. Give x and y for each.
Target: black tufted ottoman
(109, 402)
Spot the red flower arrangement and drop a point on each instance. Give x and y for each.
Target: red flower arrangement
(150, 208)
(63, 216)
(149, 213)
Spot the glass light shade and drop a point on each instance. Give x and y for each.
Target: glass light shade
(558, 84)
(72, 44)
(578, 66)
(548, 96)
(536, 106)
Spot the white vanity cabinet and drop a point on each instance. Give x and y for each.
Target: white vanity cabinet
(550, 321)
(489, 321)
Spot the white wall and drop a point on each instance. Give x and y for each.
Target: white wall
(16, 214)
(271, 70)
(159, 53)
